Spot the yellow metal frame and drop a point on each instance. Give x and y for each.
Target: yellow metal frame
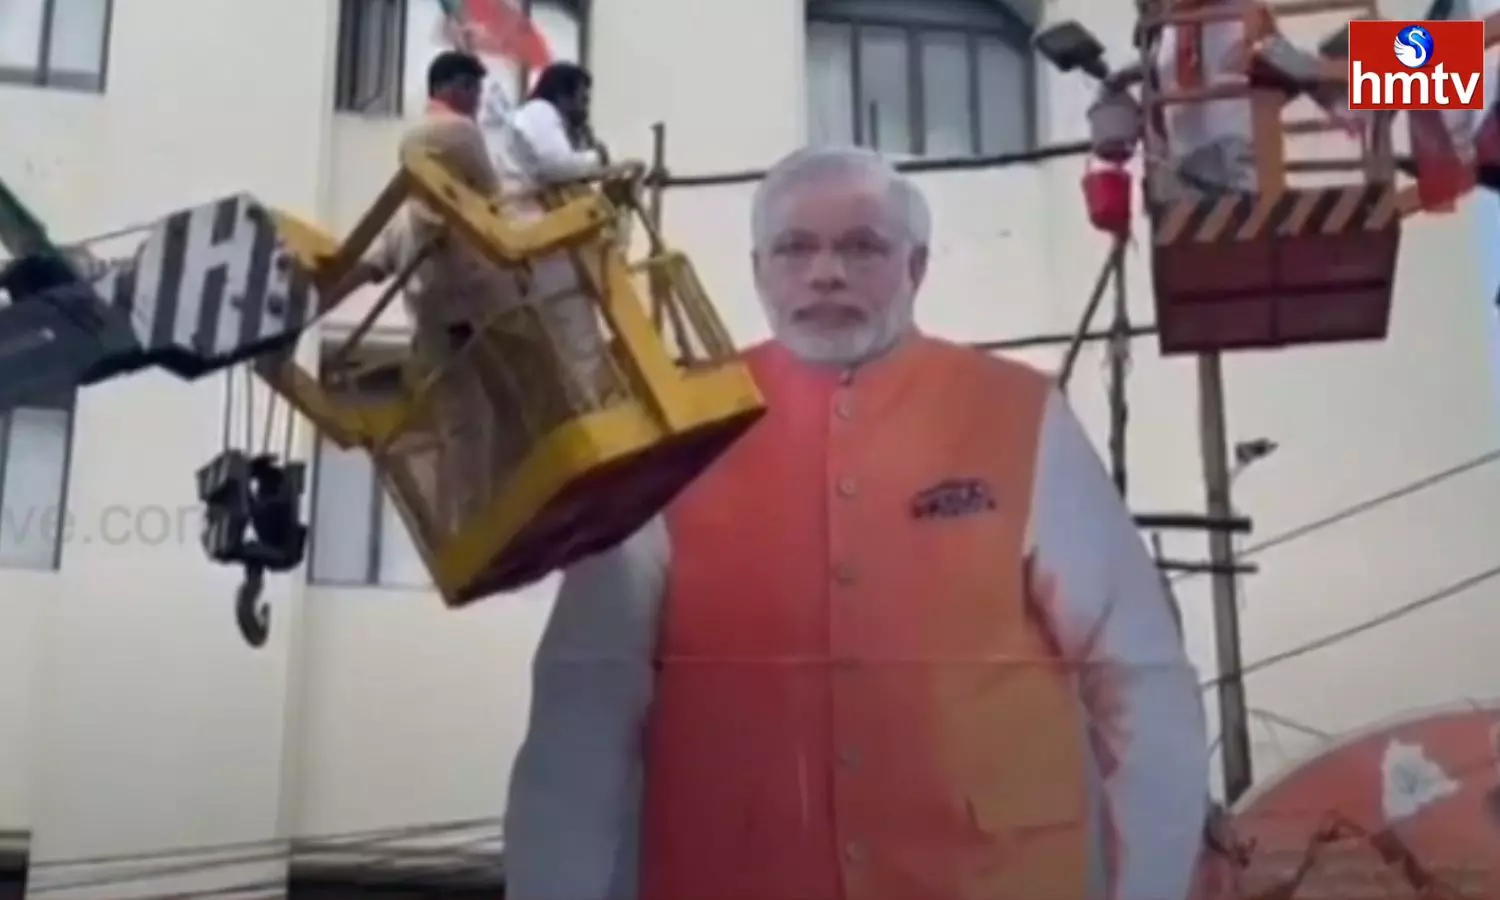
(667, 400)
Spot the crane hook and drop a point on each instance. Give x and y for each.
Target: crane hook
(251, 610)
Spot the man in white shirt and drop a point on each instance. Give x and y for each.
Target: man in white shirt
(548, 140)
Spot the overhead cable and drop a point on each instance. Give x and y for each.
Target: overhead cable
(1359, 508)
(1333, 638)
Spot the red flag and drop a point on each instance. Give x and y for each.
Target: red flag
(496, 28)
(1442, 146)
(1487, 138)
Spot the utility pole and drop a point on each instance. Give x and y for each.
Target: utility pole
(1119, 369)
(1234, 723)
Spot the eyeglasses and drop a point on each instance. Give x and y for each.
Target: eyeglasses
(853, 250)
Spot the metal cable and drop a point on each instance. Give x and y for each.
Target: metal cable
(336, 840)
(1333, 638)
(279, 850)
(1358, 508)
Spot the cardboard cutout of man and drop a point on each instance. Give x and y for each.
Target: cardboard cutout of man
(900, 642)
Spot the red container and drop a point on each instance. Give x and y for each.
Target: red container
(1106, 192)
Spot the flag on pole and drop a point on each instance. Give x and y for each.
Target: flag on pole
(1443, 149)
(1446, 145)
(495, 28)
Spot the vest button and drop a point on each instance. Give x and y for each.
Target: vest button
(843, 573)
(846, 377)
(844, 408)
(849, 758)
(846, 487)
(854, 852)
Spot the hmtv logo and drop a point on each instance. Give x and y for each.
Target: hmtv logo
(1416, 65)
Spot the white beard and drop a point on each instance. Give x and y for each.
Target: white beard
(847, 346)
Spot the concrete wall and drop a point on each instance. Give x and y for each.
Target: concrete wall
(132, 719)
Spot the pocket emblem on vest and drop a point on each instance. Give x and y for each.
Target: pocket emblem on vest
(953, 498)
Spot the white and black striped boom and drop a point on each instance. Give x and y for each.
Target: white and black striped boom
(210, 286)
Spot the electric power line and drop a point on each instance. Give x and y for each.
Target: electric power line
(1359, 508)
(1446, 592)
(190, 860)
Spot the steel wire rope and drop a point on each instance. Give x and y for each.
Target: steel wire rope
(386, 857)
(469, 860)
(279, 889)
(386, 866)
(335, 840)
(383, 872)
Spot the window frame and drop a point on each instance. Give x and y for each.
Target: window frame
(386, 352)
(348, 65)
(374, 533)
(345, 67)
(67, 401)
(42, 75)
(991, 20)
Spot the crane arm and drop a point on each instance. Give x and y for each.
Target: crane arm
(210, 286)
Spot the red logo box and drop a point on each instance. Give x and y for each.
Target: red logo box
(1391, 68)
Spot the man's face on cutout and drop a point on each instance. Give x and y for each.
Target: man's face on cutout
(837, 273)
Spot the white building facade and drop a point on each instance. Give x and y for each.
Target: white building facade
(134, 720)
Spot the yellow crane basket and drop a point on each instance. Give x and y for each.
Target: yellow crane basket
(509, 453)
(1242, 257)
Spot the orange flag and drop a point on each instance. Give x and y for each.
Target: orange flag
(496, 28)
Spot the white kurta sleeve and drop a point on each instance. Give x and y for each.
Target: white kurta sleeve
(546, 149)
(572, 820)
(1111, 612)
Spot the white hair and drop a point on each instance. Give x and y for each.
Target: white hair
(908, 206)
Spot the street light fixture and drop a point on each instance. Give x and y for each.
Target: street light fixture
(1248, 453)
(1069, 46)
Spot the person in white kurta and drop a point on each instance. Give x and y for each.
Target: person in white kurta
(1212, 143)
(541, 145)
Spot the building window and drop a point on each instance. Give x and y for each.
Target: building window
(358, 537)
(55, 43)
(939, 78)
(35, 439)
(371, 40)
(385, 46)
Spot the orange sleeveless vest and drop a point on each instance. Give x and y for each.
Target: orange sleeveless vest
(852, 700)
